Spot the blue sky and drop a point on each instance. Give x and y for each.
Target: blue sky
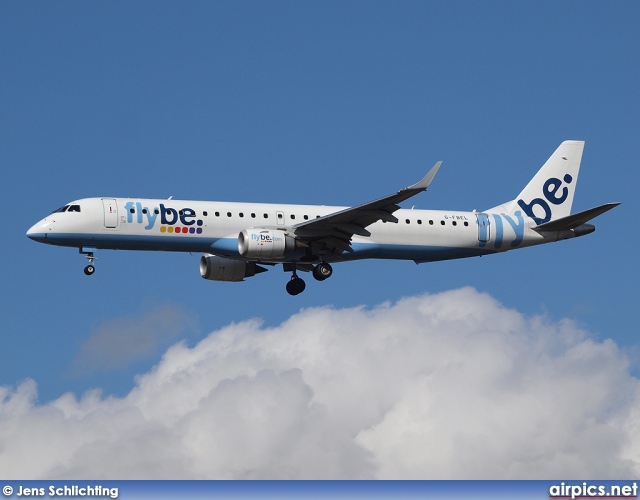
(303, 102)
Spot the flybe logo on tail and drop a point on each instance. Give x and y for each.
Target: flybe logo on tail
(550, 192)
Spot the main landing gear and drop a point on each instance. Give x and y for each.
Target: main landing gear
(296, 285)
(320, 272)
(90, 269)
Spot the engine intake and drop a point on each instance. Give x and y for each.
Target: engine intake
(265, 243)
(217, 268)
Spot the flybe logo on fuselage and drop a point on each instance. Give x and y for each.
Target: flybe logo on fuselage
(172, 220)
(550, 192)
(502, 233)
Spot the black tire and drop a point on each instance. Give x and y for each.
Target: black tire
(322, 271)
(89, 270)
(295, 286)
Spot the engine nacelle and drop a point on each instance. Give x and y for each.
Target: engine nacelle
(217, 268)
(265, 243)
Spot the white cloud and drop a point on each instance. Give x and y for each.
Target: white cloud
(451, 385)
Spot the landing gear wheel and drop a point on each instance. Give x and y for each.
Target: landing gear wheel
(90, 269)
(295, 286)
(322, 271)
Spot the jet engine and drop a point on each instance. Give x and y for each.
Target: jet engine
(265, 243)
(217, 268)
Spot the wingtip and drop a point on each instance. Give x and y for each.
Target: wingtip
(426, 180)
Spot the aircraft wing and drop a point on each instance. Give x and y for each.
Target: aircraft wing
(336, 230)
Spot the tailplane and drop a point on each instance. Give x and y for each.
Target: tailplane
(575, 220)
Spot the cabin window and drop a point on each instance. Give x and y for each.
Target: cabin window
(241, 214)
(266, 216)
(253, 215)
(442, 222)
(156, 211)
(181, 212)
(279, 216)
(408, 221)
(217, 214)
(431, 223)
(204, 214)
(305, 217)
(228, 214)
(454, 223)
(133, 211)
(144, 210)
(466, 223)
(293, 217)
(419, 221)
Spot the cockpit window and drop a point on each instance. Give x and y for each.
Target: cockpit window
(74, 208)
(61, 209)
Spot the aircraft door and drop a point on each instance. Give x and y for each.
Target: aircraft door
(280, 218)
(484, 229)
(110, 213)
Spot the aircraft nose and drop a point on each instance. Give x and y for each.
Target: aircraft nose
(37, 232)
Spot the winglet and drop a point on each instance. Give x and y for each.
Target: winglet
(426, 180)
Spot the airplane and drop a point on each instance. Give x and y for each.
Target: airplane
(240, 240)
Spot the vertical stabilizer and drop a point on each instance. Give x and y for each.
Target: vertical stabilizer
(549, 195)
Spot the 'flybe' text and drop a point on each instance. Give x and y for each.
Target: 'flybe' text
(516, 223)
(168, 216)
(265, 238)
(550, 192)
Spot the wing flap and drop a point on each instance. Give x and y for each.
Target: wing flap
(352, 229)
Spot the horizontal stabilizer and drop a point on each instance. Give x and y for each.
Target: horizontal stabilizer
(575, 220)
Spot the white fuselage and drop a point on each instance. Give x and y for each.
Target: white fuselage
(238, 239)
(213, 227)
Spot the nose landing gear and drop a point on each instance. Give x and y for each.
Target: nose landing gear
(90, 269)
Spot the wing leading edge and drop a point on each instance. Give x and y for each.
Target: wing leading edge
(334, 231)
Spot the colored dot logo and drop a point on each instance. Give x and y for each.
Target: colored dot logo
(180, 230)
